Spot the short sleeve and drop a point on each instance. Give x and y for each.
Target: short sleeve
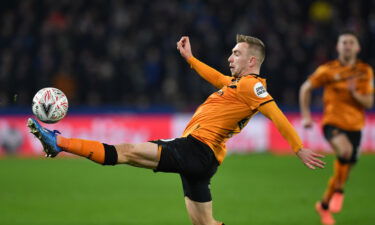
(253, 92)
(319, 78)
(365, 84)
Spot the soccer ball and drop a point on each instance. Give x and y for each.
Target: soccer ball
(50, 105)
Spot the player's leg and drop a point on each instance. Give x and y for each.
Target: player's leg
(346, 145)
(197, 171)
(344, 150)
(142, 155)
(198, 198)
(343, 165)
(338, 142)
(145, 155)
(200, 213)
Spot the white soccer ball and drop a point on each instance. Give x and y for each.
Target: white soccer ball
(50, 105)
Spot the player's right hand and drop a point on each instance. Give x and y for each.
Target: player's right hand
(183, 46)
(307, 122)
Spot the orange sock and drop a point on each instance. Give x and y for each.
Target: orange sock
(330, 190)
(332, 184)
(92, 150)
(337, 181)
(342, 175)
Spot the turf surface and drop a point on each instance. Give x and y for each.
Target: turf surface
(248, 189)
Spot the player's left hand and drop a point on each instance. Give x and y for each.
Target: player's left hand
(310, 158)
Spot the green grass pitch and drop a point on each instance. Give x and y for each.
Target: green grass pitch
(248, 189)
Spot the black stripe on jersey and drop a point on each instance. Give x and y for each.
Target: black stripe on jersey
(263, 103)
(257, 75)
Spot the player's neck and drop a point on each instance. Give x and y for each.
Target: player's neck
(347, 61)
(250, 71)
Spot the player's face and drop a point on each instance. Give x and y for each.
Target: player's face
(239, 60)
(348, 46)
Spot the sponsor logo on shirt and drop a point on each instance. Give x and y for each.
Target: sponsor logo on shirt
(260, 90)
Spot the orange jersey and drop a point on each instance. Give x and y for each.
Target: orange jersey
(340, 108)
(226, 111)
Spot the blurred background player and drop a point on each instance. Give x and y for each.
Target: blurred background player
(348, 91)
(198, 153)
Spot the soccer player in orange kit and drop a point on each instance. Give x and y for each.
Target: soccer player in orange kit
(201, 149)
(348, 91)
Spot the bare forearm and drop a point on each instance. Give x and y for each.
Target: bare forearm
(304, 100)
(366, 101)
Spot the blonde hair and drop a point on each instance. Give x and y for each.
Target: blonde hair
(256, 46)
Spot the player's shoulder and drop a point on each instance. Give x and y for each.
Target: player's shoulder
(249, 81)
(330, 64)
(253, 85)
(363, 65)
(326, 68)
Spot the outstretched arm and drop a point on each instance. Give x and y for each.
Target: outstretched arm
(308, 157)
(208, 73)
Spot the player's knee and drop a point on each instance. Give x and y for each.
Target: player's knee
(345, 154)
(343, 160)
(345, 157)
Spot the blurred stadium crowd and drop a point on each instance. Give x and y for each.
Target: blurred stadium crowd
(124, 52)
